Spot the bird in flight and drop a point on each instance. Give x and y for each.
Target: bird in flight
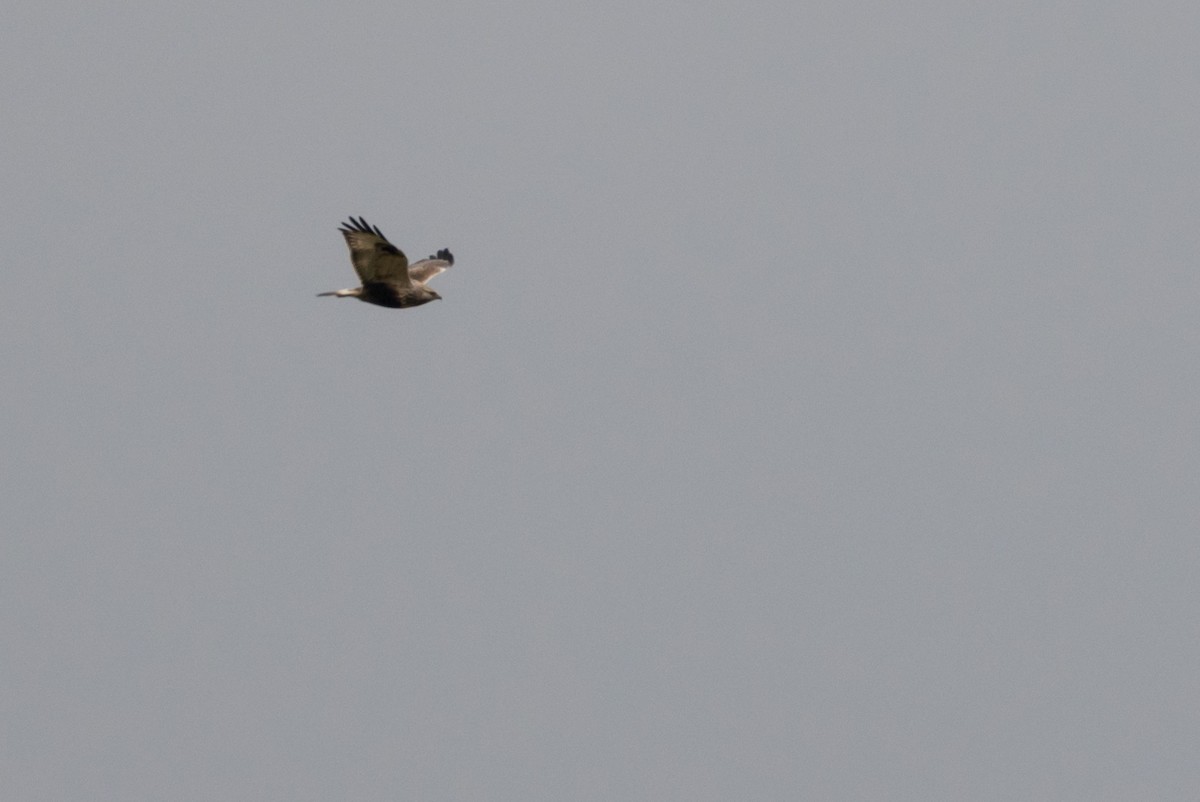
(387, 277)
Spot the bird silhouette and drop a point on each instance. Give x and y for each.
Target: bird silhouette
(387, 277)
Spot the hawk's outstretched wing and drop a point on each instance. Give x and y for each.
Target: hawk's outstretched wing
(420, 272)
(375, 259)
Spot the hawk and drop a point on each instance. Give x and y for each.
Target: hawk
(387, 277)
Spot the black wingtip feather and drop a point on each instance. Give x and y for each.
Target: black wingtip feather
(361, 225)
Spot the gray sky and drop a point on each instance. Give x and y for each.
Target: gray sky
(810, 414)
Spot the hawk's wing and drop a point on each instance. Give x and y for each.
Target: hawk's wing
(375, 259)
(420, 272)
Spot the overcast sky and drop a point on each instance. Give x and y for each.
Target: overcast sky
(811, 412)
